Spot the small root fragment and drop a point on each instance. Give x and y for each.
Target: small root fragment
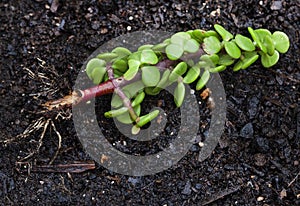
(66, 101)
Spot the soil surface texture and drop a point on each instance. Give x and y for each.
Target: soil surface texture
(43, 45)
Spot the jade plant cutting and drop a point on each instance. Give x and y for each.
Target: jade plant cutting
(184, 58)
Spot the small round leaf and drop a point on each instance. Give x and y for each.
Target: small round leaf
(174, 51)
(121, 52)
(98, 74)
(226, 36)
(148, 57)
(191, 46)
(179, 70)
(107, 56)
(268, 61)
(150, 76)
(191, 75)
(281, 41)
(226, 60)
(212, 45)
(244, 43)
(147, 118)
(232, 50)
(217, 69)
(180, 38)
(93, 63)
(249, 58)
(203, 80)
(179, 94)
(133, 69)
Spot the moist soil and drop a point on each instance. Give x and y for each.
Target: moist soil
(43, 47)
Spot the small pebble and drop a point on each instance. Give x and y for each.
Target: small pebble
(128, 28)
(247, 131)
(276, 5)
(260, 198)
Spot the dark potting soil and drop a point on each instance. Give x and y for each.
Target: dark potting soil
(43, 46)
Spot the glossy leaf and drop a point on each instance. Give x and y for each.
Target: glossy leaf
(249, 58)
(121, 52)
(211, 33)
(191, 46)
(268, 61)
(217, 69)
(180, 38)
(191, 75)
(133, 88)
(148, 57)
(281, 41)
(150, 76)
(179, 94)
(125, 117)
(257, 40)
(164, 81)
(226, 36)
(212, 45)
(114, 113)
(244, 43)
(147, 118)
(232, 49)
(174, 51)
(179, 70)
(108, 57)
(98, 74)
(133, 69)
(226, 60)
(120, 65)
(92, 64)
(152, 91)
(138, 99)
(268, 42)
(198, 34)
(160, 47)
(203, 80)
(238, 66)
(145, 47)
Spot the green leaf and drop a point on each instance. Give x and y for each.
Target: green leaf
(191, 75)
(281, 41)
(268, 42)
(244, 43)
(212, 45)
(268, 61)
(107, 56)
(232, 49)
(121, 52)
(133, 88)
(180, 38)
(164, 81)
(146, 46)
(125, 117)
(148, 57)
(179, 70)
(133, 69)
(116, 101)
(217, 69)
(248, 59)
(98, 74)
(92, 64)
(152, 91)
(208, 61)
(135, 56)
(191, 46)
(226, 60)
(179, 94)
(138, 99)
(203, 80)
(226, 36)
(238, 66)
(210, 33)
(261, 33)
(114, 113)
(147, 118)
(150, 75)
(160, 47)
(174, 51)
(198, 34)
(256, 38)
(120, 65)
